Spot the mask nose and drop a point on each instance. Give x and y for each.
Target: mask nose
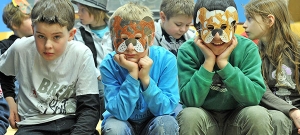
(128, 41)
(219, 31)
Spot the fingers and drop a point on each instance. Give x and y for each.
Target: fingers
(198, 42)
(234, 41)
(12, 121)
(145, 62)
(116, 58)
(122, 58)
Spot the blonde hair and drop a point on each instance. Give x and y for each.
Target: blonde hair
(98, 14)
(173, 8)
(54, 12)
(13, 16)
(130, 12)
(281, 39)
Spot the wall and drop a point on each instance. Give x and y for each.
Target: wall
(4, 31)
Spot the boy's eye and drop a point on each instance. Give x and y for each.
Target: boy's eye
(56, 37)
(177, 24)
(249, 18)
(125, 38)
(40, 36)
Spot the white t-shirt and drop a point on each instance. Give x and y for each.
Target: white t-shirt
(48, 90)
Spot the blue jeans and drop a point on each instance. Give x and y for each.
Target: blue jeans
(160, 125)
(57, 127)
(252, 120)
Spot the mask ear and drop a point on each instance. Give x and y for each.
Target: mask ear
(271, 20)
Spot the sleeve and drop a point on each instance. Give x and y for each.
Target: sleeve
(162, 97)
(7, 77)
(87, 114)
(190, 73)
(4, 114)
(246, 73)
(7, 84)
(120, 96)
(87, 95)
(271, 101)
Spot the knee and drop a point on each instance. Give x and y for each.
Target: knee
(257, 114)
(280, 120)
(165, 124)
(165, 120)
(257, 111)
(189, 113)
(110, 128)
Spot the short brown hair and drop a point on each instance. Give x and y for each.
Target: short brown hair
(173, 8)
(54, 12)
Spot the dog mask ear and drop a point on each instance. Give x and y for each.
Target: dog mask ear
(217, 21)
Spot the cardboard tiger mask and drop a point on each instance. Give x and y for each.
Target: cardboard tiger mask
(130, 29)
(217, 21)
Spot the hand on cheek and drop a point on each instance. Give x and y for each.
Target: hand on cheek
(222, 59)
(132, 67)
(145, 64)
(210, 58)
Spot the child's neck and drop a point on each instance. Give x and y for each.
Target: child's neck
(98, 27)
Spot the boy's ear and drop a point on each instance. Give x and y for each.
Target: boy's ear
(13, 26)
(271, 20)
(32, 27)
(72, 34)
(162, 16)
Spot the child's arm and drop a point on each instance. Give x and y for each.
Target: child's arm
(244, 70)
(210, 58)
(3, 116)
(195, 78)
(121, 88)
(87, 114)
(162, 93)
(7, 82)
(87, 97)
(145, 64)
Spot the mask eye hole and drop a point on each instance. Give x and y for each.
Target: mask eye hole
(210, 27)
(138, 36)
(223, 26)
(124, 36)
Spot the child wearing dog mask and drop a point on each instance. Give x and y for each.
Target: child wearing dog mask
(220, 76)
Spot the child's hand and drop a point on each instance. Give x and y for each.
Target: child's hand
(13, 112)
(222, 59)
(210, 58)
(145, 64)
(295, 115)
(132, 67)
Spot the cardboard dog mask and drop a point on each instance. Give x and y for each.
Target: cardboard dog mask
(217, 21)
(145, 28)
